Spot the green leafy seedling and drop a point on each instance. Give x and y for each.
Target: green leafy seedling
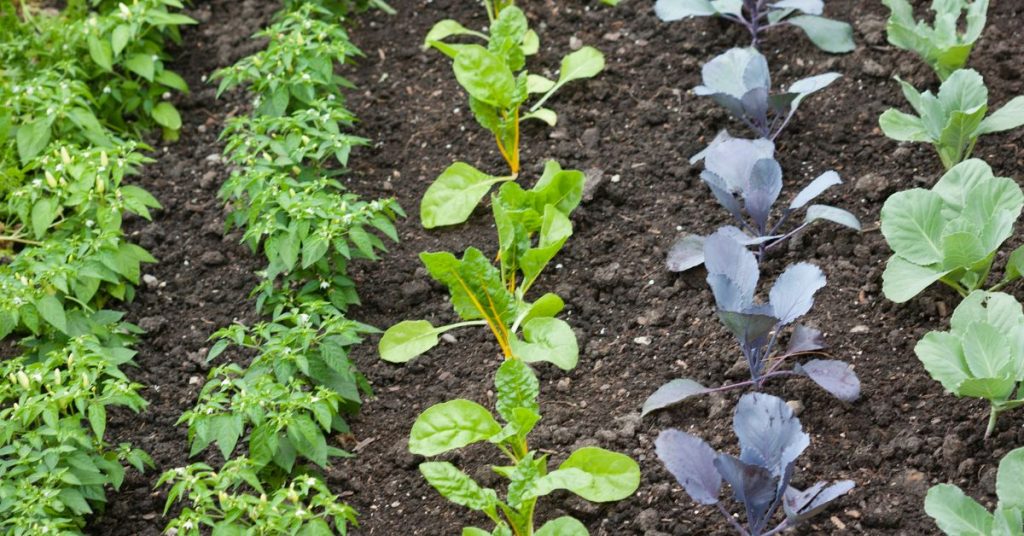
(956, 514)
(982, 355)
(953, 120)
(593, 473)
(498, 86)
(950, 233)
(940, 44)
(532, 225)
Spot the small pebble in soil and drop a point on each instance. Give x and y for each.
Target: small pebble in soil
(643, 341)
(795, 405)
(213, 258)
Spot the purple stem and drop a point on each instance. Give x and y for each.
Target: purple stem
(735, 524)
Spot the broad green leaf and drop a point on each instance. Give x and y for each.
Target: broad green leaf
(1008, 522)
(563, 526)
(119, 38)
(97, 414)
(546, 115)
(955, 513)
(445, 29)
(912, 224)
(829, 35)
(100, 51)
(32, 138)
(958, 137)
(943, 358)
(961, 249)
(474, 284)
(550, 340)
(142, 65)
(52, 311)
(586, 62)
(451, 425)
(902, 126)
(555, 230)
(1015, 265)
(517, 386)
(473, 531)
(458, 487)
(452, 197)
(308, 440)
(567, 479)
(1010, 116)
(992, 389)
(407, 340)
(166, 115)
(485, 76)
(902, 279)
(615, 476)
(43, 214)
(1010, 480)
(531, 43)
(536, 83)
(985, 350)
(956, 185)
(550, 305)
(964, 91)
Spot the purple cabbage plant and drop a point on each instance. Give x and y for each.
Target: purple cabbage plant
(758, 327)
(747, 181)
(771, 439)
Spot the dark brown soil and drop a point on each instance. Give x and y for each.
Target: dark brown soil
(632, 129)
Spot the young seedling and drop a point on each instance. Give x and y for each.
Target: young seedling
(593, 473)
(950, 233)
(498, 88)
(956, 514)
(953, 120)
(745, 171)
(771, 440)
(982, 354)
(940, 44)
(760, 15)
(532, 225)
(732, 275)
(739, 81)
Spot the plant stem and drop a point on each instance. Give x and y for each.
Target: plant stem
(17, 240)
(992, 416)
(732, 520)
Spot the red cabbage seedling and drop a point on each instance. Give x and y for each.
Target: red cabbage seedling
(732, 275)
(759, 15)
(771, 439)
(744, 171)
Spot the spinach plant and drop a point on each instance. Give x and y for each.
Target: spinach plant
(739, 81)
(738, 170)
(941, 44)
(982, 354)
(760, 15)
(498, 86)
(771, 439)
(953, 120)
(593, 473)
(950, 233)
(758, 327)
(532, 225)
(957, 514)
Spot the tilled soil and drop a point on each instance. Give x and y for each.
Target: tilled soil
(632, 129)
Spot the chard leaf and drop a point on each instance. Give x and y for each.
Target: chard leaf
(673, 10)
(614, 476)
(770, 434)
(452, 197)
(536, 83)
(692, 462)
(517, 387)
(546, 306)
(671, 394)
(542, 114)
(586, 62)
(550, 340)
(829, 35)
(444, 29)
(475, 286)
(956, 513)
(407, 340)
(451, 425)
(485, 76)
(458, 487)
(793, 293)
(836, 377)
(563, 526)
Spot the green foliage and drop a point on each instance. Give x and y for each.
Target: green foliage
(950, 233)
(982, 355)
(593, 473)
(532, 226)
(956, 514)
(234, 501)
(953, 120)
(940, 44)
(498, 85)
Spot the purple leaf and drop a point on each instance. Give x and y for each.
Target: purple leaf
(793, 293)
(752, 485)
(692, 462)
(672, 393)
(770, 434)
(686, 253)
(743, 238)
(723, 135)
(836, 377)
(801, 505)
(755, 106)
(762, 190)
(733, 160)
(805, 339)
(749, 328)
(722, 194)
(815, 188)
(728, 259)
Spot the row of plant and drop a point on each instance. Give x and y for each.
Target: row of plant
(952, 233)
(273, 419)
(533, 225)
(747, 181)
(80, 85)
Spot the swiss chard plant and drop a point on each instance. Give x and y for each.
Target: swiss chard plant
(771, 439)
(982, 354)
(593, 473)
(747, 181)
(950, 233)
(758, 327)
(739, 81)
(953, 119)
(941, 44)
(498, 86)
(758, 16)
(532, 225)
(956, 514)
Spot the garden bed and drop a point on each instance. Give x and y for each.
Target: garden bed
(632, 129)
